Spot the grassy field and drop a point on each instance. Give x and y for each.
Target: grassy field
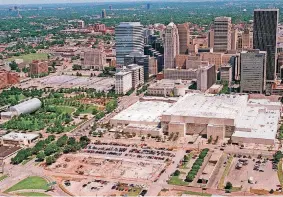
(134, 193)
(66, 109)
(175, 180)
(280, 172)
(225, 173)
(32, 194)
(32, 182)
(30, 57)
(2, 177)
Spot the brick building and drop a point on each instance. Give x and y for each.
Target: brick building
(38, 67)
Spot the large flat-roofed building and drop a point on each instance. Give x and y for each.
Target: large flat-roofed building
(220, 116)
(253, 71)
(141, 113)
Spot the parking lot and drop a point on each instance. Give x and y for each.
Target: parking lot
(130, 151)
(253, 172)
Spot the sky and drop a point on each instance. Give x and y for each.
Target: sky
(5, 2)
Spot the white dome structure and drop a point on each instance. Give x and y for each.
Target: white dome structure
(26, 107)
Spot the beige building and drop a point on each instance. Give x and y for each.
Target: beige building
(93, 59)
(137, 75)
(184, 37)
(247, 39)
(212, 58)
(222, 34)
(211, 38)
(206, 77)
(220, 116)
(234, 39)
(152, 66)
(167, 87)
(226, 73)
(123, 82)
(171, 45)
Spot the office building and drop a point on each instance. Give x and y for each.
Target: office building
(139, 59)
(123, 82)
(103, 13)
(81, 24)
(246, 39)
(206, 77)
(129, 38)
(226, 73)
(234, 39)
(265, 38)
(222, 34)
(211, 38)
(137, 75)
(93, 59)
(253, 69)
(184, 37)
(171, 45)
(38, 67)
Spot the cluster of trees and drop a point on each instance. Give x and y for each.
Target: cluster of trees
(277, 156)
(111, 105)
(196, 166)
(108, 72)
(50, 149)
(13, 96)
(143, 89)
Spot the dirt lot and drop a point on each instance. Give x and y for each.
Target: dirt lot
(99, 187)
(86, 164)
(264, 178)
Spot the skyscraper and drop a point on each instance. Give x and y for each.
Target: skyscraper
(234, 39)
(103, 13)
(171, 46)
(253, 65)
(129, 38)
(222, 34)
(246, 39)
(184, 37)
(265, 37)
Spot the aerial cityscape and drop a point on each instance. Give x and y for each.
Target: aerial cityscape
(141, 98)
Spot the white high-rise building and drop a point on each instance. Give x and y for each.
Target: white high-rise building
(171, 47)
(123, 82)
(222, 34)
(129, 38)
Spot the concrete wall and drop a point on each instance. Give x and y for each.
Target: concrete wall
(177, 127)
(214, 131)
(240, 140)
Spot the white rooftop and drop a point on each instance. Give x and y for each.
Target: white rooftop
(19, 136)
(145, 111)
(209, 105)
(257, 122)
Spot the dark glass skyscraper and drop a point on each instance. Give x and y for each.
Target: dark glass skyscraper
(265, 37)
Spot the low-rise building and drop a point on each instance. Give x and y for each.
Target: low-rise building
(167, 87)
(226, 73)
(19, 138)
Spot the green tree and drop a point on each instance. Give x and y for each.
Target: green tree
(62, 141)
(40, 156)
(50, 160)
(51, 148)
(228, 185)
